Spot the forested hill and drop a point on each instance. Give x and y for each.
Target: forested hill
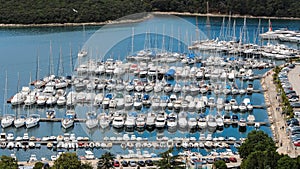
(74, 11)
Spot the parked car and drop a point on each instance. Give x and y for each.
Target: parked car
(295, 104)
(149, 162)
(116, 164)
(132, 163)
(124, 163)
(233, 159)
(141, 163)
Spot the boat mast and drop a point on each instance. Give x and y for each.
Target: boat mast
(228, 31)
(37, 75)
(51, 61)
(71, 59)
(233, 32)
(207, 21)
(5, 94)
(132, 39)
(60, 65)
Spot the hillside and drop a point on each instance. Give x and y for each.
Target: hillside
(77, 11)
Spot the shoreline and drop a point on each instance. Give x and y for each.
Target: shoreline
(149, 15)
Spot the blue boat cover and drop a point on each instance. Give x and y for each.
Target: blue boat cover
(191, 56)
(170, 72)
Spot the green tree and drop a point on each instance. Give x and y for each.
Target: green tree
(286, 162)
(256, 141)
(169, 161)
(8, 162)
(67, 160)
(86, 166)
(105, 161)
(220, 164)
(38, 165)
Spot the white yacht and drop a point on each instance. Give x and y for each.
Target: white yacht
(129, 123)
(18, 99)
(248, 104)
(68, 120)
(91, 121)
(118, 122)
(61, 101)
(89, 155)
(140, 122)
(20, 121)
(211, 121)
(32, 121)
(251, 118)
(192, 123)
(202, 123)
(150, 120)
(172, 121)
(182, 120)
(7, 120)
(104, 120)
(220, 122)
(128, 102)
(160, 121)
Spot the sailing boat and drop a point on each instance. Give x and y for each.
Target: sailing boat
(83, 52)
(7, 119)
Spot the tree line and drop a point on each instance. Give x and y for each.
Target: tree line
(77, 11)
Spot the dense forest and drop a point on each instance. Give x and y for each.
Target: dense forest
(75, 11)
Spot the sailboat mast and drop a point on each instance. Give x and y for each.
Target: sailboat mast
(207, 21)
(51, 61)
(132, 39)
(37, 75)
(5, 94)
(71, 59)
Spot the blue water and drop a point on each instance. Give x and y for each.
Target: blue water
(20, 47)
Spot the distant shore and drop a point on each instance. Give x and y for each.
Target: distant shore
(124, 21)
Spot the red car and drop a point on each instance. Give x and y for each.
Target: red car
(116, 164)
(297, 143)
(233, 159)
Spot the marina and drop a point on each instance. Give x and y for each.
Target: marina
(203, 100)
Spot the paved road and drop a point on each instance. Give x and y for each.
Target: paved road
(278, 126)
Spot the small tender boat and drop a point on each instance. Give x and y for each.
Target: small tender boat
(50, 114)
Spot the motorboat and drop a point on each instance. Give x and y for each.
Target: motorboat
(91, 121)
(248, 104)
(140, 122)
(160, 121)
(182, 120)
(68, 120)
(32, 158)
(50, 113)
(202, 123)
(150, 120)
(61, 101)
(128, 102)
(192, 123)
(18, 99)
(129, 123)
(20, 121)
(211, 121)
(104, 120)
(118, 122)
(172, 121)
(32, 121)
(220, 122)
(89, 155)
(7, 120)
(251, 118)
